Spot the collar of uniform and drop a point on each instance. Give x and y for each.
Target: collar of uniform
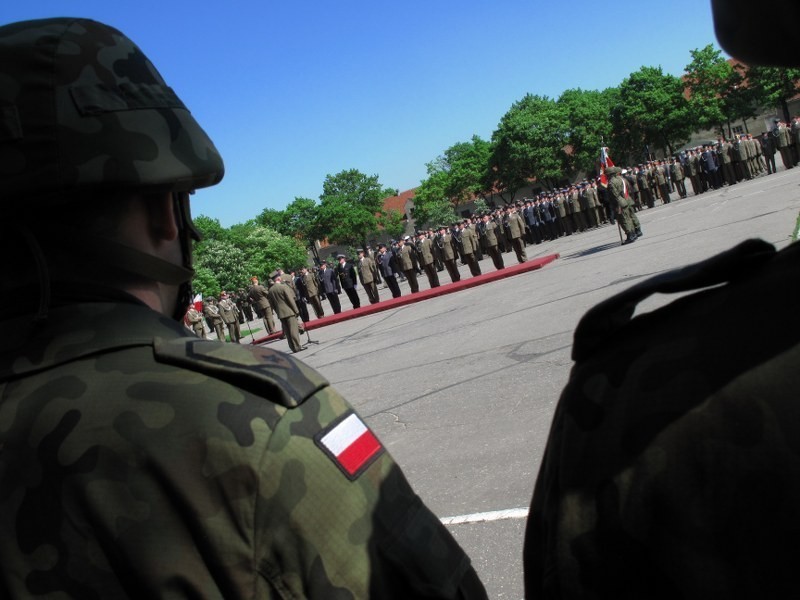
(75, 331)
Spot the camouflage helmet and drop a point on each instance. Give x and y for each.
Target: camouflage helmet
(82, 108)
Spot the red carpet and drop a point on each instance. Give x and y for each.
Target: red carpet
(445, 288)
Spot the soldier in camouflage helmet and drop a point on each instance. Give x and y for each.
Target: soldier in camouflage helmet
(137, 460)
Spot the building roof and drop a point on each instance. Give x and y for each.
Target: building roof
(398, 203)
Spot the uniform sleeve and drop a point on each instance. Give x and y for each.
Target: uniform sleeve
(336, 518)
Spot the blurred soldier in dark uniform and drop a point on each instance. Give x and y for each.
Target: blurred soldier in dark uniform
(300, 295)
(136, 460)
(768, 148)
(329, 284)
(244, 305)
(389, 269)
(672, 469)
(348, 280)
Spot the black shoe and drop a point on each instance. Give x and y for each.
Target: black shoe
(638, 233)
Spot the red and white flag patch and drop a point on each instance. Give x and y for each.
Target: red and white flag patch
(350, 444)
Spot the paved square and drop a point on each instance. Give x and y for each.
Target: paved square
(461, 388)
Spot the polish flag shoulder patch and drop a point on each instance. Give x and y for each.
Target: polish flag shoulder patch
(350, 444)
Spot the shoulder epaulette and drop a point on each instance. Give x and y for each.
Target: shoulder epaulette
(268, 373)
(604, 321)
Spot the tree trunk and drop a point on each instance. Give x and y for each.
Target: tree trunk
(785, 107)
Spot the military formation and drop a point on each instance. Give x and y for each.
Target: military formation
(550, 215)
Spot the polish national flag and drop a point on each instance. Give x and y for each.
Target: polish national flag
(351, 445)
(605, 162)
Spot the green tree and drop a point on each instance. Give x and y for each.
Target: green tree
(204, 282)
(226, 264)
(274, 219)
(431, 200)
(529, 143)
(210, 229)
(457, 176)
(774, 86)
(467, 167)
(299, 220)
(350, 207)
(654, 110)
(588, 125)
(717, 94)
(266, 249)
(393, 223)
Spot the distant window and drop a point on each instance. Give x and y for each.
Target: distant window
(738, 129)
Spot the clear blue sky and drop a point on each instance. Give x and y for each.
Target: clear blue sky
(293, 91)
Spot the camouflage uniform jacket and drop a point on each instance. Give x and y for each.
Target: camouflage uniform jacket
(673, 464)
(137, 462)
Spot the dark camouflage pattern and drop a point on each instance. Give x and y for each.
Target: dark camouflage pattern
(137, 462)
(82, 107)
(673, 464)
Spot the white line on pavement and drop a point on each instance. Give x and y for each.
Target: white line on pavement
(495, 515)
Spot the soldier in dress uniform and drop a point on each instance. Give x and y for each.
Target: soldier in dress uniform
(312, 289)
(515, 229)
(258, 296)
(445, 243)
(488, 227)
(368, 275)
(348, 279)
(620, 200)
(387, 262)
(405, 258)
(768, 149)
(425, 253)
(282, 297)
(469, 245)
(212, 314)
(230, 316)
(329, 284)
(194, 319)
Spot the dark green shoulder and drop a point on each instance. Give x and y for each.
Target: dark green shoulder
(267, 373)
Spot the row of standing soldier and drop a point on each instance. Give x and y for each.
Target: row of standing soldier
(546, 217)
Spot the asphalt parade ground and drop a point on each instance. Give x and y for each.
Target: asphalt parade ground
(461, 387)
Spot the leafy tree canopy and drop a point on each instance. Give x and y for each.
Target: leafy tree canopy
(774, 85)
(350, 207)
(588, 125)
(654, 107)
(529, 143)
